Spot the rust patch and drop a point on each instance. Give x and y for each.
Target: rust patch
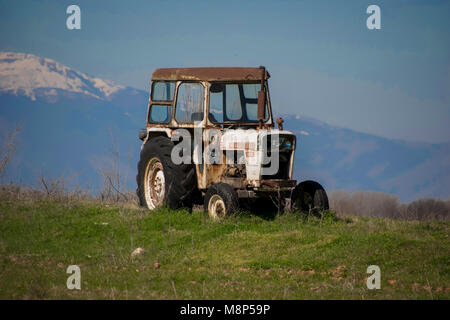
(209, 74)
(214, 173)
(279, 122)
(236, 183)
(274, 183)
(241, 146)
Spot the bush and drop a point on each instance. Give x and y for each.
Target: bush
(379, 204)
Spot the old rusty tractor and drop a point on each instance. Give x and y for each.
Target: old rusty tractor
(210, 137)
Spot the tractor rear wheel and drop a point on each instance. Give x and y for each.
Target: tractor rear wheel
(160, 181)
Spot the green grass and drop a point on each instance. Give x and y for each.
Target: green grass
(241, 257)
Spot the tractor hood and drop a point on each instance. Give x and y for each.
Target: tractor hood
(267, 154)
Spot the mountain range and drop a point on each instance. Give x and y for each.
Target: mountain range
(72, 123)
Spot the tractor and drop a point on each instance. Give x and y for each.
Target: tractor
(210, 139)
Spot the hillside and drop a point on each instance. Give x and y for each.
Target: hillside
(188, 256)
(70, 120)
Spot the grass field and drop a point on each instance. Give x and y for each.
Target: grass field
(188, 256)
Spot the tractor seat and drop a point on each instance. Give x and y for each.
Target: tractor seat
(197, 116)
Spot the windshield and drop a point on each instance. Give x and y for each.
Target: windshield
(234, 102)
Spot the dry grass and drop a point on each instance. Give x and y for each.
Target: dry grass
(8, 147)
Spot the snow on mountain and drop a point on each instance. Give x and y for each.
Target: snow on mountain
(30, 75)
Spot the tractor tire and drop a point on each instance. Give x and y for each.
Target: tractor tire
(160, 181)
(309, 196)
(220, 200)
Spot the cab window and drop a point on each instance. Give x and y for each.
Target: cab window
(160, 113)
(189, 105)
(163, 90)
(234, 103)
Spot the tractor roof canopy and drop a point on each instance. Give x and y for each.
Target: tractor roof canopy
(210, 74)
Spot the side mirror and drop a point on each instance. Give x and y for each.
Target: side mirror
(261, 115)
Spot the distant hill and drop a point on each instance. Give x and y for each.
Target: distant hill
(67, 117)
(346, 159)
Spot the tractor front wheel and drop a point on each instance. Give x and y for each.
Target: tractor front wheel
(309, 196)
(220, 200)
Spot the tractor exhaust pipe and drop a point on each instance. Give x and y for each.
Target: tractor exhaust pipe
(261, 114)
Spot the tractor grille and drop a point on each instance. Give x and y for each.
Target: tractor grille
(286, 145)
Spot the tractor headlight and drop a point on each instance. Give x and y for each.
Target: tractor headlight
(281, 142)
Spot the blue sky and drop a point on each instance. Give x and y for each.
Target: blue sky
(324, 62)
